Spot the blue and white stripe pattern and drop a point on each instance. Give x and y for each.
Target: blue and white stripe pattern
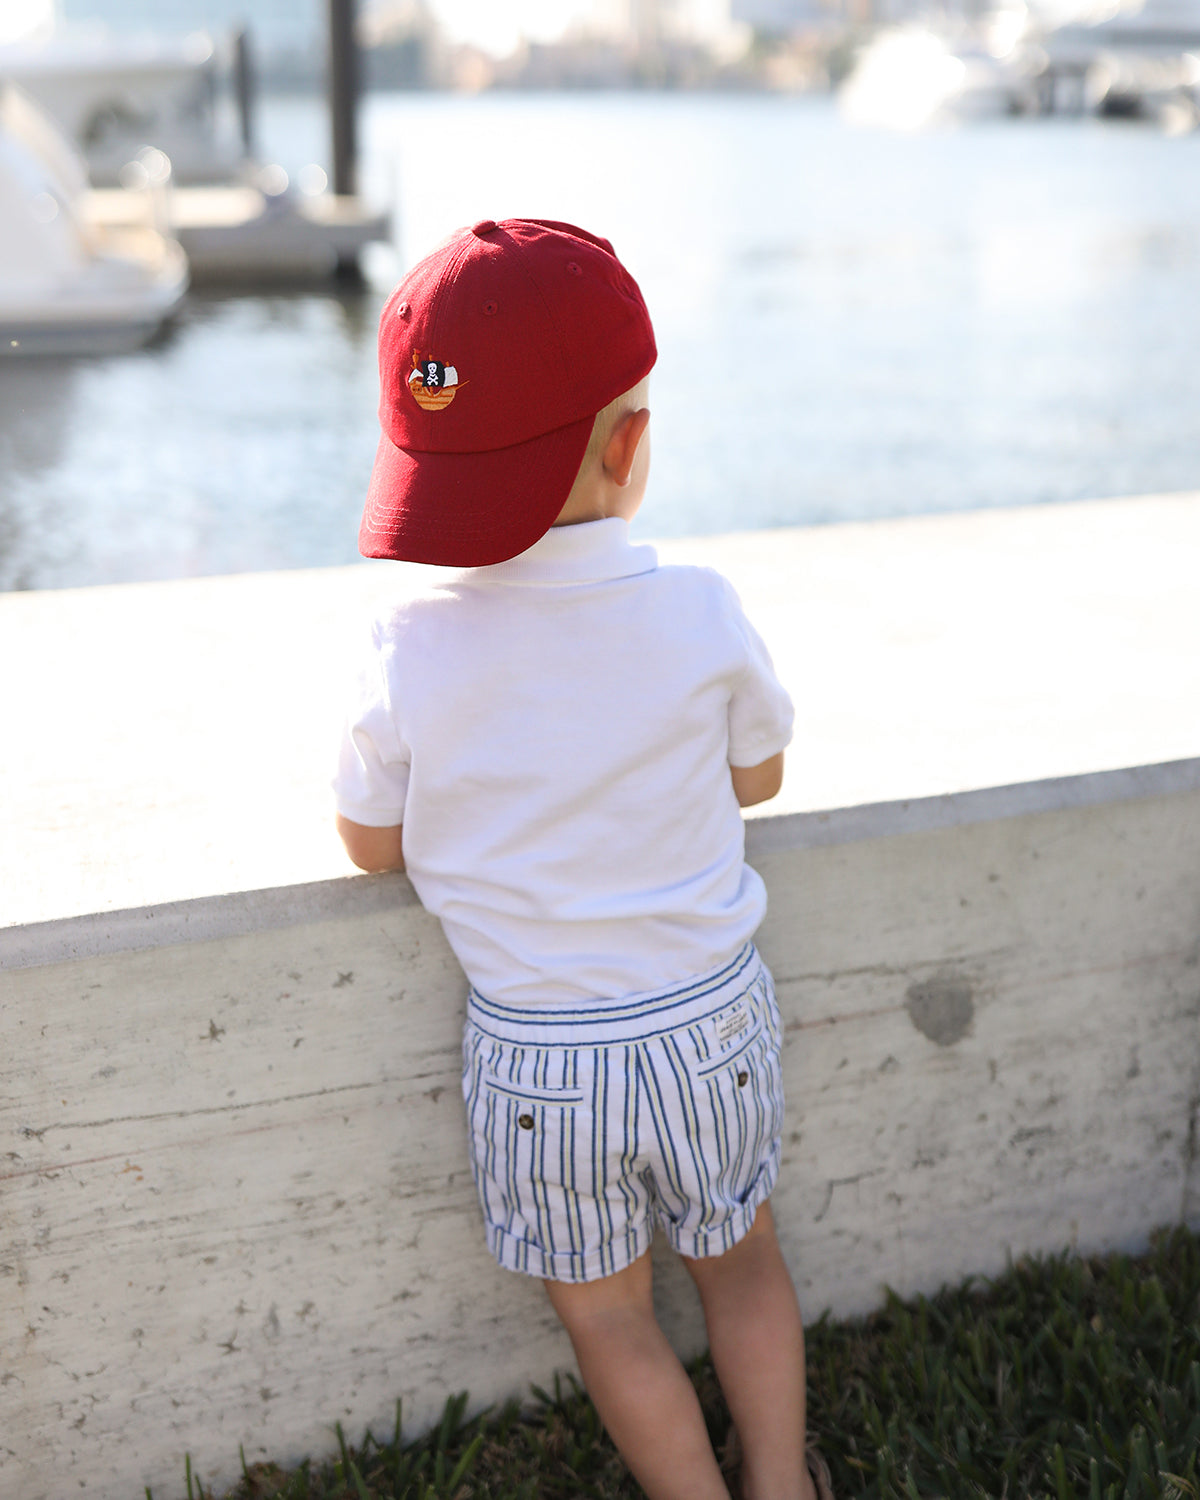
(588, 1123)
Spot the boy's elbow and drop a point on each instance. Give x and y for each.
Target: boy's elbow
(752, 784)
(376, 864)
(374, 850)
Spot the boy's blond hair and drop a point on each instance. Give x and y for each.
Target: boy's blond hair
(608, 417)
(581, 504)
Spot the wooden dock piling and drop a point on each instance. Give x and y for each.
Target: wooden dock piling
(244, 87)
(343, 77)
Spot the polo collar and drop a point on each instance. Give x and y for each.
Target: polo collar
(592, 552)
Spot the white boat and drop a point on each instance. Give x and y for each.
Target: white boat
(68, 286)
(237, 222)
(1136, 57)
(909, 77)
(112, 95)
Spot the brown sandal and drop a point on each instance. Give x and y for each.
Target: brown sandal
(821, 1477)
(731, 1465)
(730, 1462)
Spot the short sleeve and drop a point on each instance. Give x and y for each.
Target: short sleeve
(371, 783)
(760, 711)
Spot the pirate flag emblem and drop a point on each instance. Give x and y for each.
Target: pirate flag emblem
(432, 383)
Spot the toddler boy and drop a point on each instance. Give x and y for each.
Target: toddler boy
(555, 743)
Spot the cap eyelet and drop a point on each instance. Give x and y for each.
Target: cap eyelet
(574, 268)
(490, 308)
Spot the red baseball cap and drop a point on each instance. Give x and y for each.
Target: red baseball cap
(495, 354)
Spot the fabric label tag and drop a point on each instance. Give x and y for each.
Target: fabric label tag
(731, 1025)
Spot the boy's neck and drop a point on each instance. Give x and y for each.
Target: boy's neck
(612, 483)
(582, 518)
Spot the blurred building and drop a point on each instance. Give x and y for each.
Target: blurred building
(653, 23)
(288, 36)
(403, 46)
(778, 16)
(795, 42)
(781, 18)
(608, 44)
(287, 26)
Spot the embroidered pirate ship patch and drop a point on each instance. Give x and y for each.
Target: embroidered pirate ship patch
(433, 383)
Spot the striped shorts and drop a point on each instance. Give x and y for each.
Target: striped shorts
(588, 1124)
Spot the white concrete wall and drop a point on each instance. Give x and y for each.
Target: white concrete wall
(162, 741)
(234, 1193)
(234, 1200)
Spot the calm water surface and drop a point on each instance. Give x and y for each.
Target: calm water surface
(851, 324)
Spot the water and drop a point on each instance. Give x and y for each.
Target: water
(852, 325)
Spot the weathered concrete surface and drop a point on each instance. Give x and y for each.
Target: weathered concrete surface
(175, 740)
(235, 1193)
(234, 1202)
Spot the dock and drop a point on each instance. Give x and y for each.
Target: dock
(239, 1206)
(238, 233)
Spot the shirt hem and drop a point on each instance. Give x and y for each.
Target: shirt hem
(369, 817)
(764, 750)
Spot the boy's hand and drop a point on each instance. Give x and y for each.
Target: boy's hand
(759, 783)
(371, 849)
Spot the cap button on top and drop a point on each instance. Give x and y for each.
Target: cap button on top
(485, 226)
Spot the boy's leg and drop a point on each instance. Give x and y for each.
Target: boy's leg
(757, 1345)
(638, 1385)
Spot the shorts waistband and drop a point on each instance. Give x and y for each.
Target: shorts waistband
(629, 1018)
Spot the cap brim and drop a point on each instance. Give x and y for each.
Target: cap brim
(466, 510)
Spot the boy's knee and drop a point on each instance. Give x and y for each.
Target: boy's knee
(755, 1247)
(626, 1293)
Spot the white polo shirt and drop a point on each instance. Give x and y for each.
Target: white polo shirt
(555, 734)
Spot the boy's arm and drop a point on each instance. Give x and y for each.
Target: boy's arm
(758, 783)
(372, 849)
(760, 712)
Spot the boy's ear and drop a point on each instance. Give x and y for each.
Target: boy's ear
(622, 446)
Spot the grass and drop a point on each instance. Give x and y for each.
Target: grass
(1063, 1379)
